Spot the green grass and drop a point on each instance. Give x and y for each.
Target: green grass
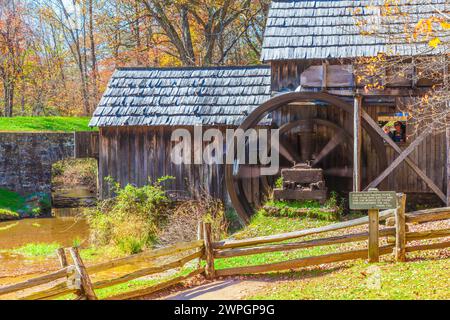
(94, 254)
(38, 250)
(36, 124)
(425, 276)
(313, 209)
(11, 200)
(421, 279)
(262, 225)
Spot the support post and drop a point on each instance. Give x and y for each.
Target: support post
(200, 233)
(210, 271)
(374, 236)
(400, 229)
(62, 257)
(447, 136)
(86, 284)
(357, 141)
(71, 280)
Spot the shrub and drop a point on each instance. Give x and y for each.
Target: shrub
(279, 183)
(131, 220)
(182, 223)
(8, 215)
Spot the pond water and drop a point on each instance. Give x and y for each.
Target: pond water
(60, 229)
(64, 228)
(74, 197)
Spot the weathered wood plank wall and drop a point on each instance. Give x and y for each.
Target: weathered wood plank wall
(86, 144)
(135, 155)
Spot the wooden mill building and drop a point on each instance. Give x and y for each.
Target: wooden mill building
(307, 87)
(143, 106)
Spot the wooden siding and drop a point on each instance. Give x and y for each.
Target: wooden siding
(86, 144)
(135, 155)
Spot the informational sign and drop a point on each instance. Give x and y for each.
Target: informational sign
(381, 200)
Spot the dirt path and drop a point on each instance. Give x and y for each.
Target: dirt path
(228, 289)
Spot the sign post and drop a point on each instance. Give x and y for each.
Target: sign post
(373, 201)
(374, 235)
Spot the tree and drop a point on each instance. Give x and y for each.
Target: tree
(56, 56)
(72, 21)
(398, 24)
(197, 31)
(13, 49)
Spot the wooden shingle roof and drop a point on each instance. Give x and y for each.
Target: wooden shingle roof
(302, 29)
(182, 96)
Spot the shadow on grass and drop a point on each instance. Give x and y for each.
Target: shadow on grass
(295, 275)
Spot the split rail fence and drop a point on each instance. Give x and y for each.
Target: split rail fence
(76, 278)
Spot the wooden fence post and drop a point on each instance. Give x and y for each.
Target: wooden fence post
(374, 236)
(70, 280)
(62, 257)
(209, 251)
(200, 236)
(86, 284)
(400, 229)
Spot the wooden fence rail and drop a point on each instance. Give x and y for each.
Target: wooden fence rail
(76, 278)
(229, 244)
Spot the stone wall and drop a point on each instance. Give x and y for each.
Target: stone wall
(26, 159)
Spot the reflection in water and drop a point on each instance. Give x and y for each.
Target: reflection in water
(62, 230)
(73, 198)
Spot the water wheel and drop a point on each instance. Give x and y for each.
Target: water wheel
(340, 140)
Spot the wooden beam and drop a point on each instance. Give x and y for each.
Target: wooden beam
(209, 251)
(154, 269)
(331, 145)
(374, 236)
(86, 284)
(158, 287)
(34, 282)
(62, 257)
(429, 234)
(400, 159)
(431, 246)
(400, 229)
(447, 155)
(428, 215)
(357, 145)
(230, 244)
(302, 262)
(408, 160)
(287, 151)
(146, 256)
(348, 238)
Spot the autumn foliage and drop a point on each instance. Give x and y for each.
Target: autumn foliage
(56, 56)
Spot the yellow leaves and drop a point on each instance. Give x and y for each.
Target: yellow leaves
(445, 25)
(428, 28)
(435, 42)
(423, 27)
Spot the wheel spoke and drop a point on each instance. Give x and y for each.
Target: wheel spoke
(331, 145)
(287, 151)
